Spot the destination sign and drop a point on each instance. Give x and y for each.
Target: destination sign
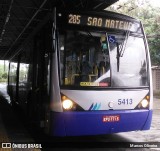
(101, 22)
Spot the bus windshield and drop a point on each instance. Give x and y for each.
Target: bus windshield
(100, 59)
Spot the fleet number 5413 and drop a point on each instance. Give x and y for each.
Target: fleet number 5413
(125, 101)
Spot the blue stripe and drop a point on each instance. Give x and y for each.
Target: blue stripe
(91, 107)
(98, 107)
(95, 106)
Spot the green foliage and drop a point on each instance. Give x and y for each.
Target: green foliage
(4, 75)
(150, 17)
(3, 72)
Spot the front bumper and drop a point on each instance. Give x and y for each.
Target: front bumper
(91, 122)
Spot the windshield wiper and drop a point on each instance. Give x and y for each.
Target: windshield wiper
(121, 51)
(124, 43)
(118, 57)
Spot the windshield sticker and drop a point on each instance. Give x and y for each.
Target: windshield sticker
(111, 39)
(93, 84)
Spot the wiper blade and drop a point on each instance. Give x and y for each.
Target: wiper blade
(120, 52)
(118, 57)
(124, 43)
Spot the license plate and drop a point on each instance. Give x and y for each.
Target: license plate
(111, 118)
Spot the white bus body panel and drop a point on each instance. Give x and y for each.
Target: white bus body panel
(105, 100)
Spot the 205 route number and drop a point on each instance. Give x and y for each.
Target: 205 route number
(125, 101)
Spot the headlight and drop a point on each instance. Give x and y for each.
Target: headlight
(144, 103)
(67, 104)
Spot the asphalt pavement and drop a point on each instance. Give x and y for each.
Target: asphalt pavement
(152, 135)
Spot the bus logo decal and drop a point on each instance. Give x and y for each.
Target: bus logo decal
(95, 106)
(111, 118)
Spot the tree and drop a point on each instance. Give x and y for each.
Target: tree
(150, 17)
(4, 75)
(3, 71)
